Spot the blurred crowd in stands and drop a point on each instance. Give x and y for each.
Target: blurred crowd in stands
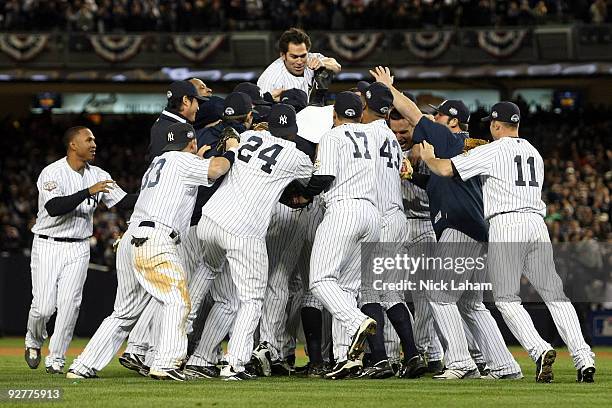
(576, 147)
(222, 15)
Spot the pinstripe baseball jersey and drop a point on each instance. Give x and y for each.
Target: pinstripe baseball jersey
(416, 202)
(346, 153)
(277, 76)
(264, 166)
(512, 172)
(58, 179)
(168, 189)
(388, 162)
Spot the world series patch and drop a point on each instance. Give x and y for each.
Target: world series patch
(50, 185)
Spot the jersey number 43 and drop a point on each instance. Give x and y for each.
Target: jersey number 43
(268, 155)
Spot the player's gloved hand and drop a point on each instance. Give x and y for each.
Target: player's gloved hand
(427, 151)
(226, 135)
(382, 74)
(406, 170)
(470, 143)
(261, 126)
(103, 186)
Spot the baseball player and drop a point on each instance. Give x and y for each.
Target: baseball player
(265, 165)
(70, 190)
(512, 172)
(347, 175)
(388, 156)
(149, 264)
(295, 67)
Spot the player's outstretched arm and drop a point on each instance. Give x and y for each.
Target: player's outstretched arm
(63, 205)
(219, 166)
(441, 167)
(401, 102)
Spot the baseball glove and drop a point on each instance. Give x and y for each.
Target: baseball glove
(227, 134)
(291, 195)
(471, 143)
(261, 126)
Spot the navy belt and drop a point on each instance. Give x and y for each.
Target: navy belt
(61, 239)
(151, 224)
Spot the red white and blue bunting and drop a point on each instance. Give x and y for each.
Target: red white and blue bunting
(197, 48)
(501, 43)
(23, 47)
(116, 48)
(428, 45)
(354, 47)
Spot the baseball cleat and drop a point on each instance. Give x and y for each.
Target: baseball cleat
(483, 369)
(317, 370)
(32, 357)
(344, 369)
(194, 371)
(144, 371)
(281, 368)
(494, 376)
(132, 361)
(168, 374)
(229, 374)
(378, 371)
(450, 374)
(413, 368)
(55, 368)
(368, 326)
(544, 372)
(435, 366)
(262, 361)
(586, 374)
(75, 375)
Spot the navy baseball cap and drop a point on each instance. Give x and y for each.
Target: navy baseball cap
(260, 113)
(178, 136)
(294, 97)
(504, 112)
(253, 91)
(453, 109)
(178, 89)
(362, 86)
(281, 121)
(236, 104)
(209, 112)
(348, 105)
(379, 98)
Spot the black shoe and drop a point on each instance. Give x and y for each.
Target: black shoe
(168, 374)
(55, 368)
(32, 357)
(194, 371)
(75, 375)
(317, 370)
(378, 371)
(132, 361)
(261, 360)
(144, 371)
(229, 374)
(435, 366)
(281, 368)
(368, 326)
(413, 368)
(303, 370)
(251, 369)
(586, 374)
(483, 369)
(344, 369)
(544, 372)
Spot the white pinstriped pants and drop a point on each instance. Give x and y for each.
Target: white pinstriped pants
(58, 270)
(153, 270)
(450, 307)
(247, 259)
(519, 245)
(335, 265)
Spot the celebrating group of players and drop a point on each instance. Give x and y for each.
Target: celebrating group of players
(252, 218)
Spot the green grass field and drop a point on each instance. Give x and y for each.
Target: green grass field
(119, 387)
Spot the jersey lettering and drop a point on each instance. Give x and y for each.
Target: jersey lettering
(159, 165)
(357, 153)
(520, 181)
(268, 155)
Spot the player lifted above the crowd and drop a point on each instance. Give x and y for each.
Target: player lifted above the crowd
(512, 172)
(70, 190)
(296, 66)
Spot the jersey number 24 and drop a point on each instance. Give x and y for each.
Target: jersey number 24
(268, 155)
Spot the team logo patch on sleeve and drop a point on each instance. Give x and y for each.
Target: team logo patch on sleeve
(50, 185)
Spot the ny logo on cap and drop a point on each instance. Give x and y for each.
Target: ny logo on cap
(452, 111)
(229, 111)
(282, 120)
(170, 137)
(350, 113)
(515, 118)
(494, 114)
